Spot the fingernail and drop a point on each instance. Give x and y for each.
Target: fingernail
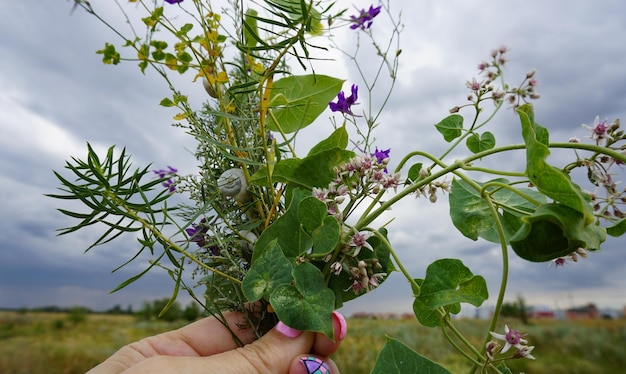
(343, 325)
(314, 365)
(287, 331)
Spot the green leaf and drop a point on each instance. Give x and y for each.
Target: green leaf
(450, 127)
(555, 230)
(414, 173)
(307, 305)
(471, 215)
(326, 236)
(338, 139)
(251, 30)
(480, 143)
(504, 369)
(396, 357)
(109, 54)
(301, 11)
(316, 170)
(426, 316)
(296, 101)
(311, 213)
(166, 102)
(448, 282)
(323, 229)
(287, 231)
(617, 229)
(268, 272)
(547, 179)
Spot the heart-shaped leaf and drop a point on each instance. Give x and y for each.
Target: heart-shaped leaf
(324, 230)
(306, 305)
(450, 127)
(287, 231)
(480, 143)
(448, 281)
(271, 270)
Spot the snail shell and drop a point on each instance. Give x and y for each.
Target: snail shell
(233, 183)
(249, 238)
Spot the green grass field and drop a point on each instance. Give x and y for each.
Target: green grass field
(55, 343)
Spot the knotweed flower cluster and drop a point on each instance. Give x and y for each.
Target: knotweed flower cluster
(358, 178)
(486, 88)
(608, 198)
(361, 177)
(511, 338)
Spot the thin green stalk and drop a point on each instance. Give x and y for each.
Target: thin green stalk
(414, 286)
(505, 271)
(456, 346)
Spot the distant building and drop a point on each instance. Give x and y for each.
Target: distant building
(588, 311)
(541, 312)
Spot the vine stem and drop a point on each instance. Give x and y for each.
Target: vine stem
(414, 286)
(366, 220)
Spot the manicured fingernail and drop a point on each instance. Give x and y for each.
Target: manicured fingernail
(314, 365)
(287, 331)
(343, 325)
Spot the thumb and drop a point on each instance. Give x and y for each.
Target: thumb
(273, 353)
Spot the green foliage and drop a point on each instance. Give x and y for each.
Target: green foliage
(314, 170)
(162, 309)
(450, 127)
(396, 357)
(77, 314)
(306, 304)
(109, 54)
(472, 215)
(546, 178)
(555, 230)
(617, 229)
(447, 284)
(484, 142)
(296, 101)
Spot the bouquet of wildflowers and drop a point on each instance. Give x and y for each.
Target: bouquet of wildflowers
(291, 235)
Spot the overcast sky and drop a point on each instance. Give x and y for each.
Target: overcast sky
(56, 95)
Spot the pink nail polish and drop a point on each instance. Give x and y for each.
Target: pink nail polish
(287, 331)
(343, 325)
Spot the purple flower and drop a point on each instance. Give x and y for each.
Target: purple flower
(169, 184)
(173, 1)
(197, 234)
(344, 105)
(365, 18)
(382, 157)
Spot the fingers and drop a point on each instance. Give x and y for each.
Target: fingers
(323, 346)
(205, 337)
(281, 350)
(272, 353)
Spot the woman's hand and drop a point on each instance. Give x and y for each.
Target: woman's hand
(207, 346)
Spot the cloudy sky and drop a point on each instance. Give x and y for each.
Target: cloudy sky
(56, 95)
